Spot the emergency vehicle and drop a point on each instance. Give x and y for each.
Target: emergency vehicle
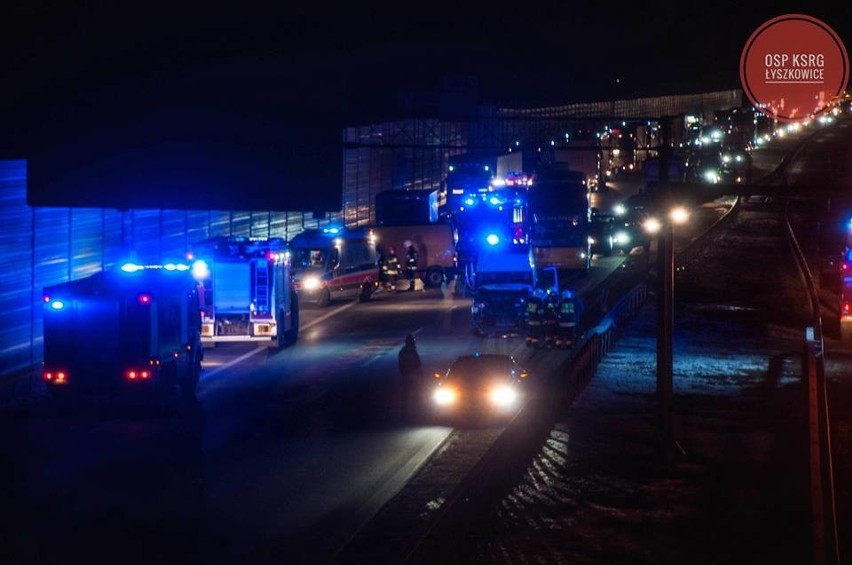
(247, 292)
(131, 333)
(332, 263)
(502, 282)
(846, 297)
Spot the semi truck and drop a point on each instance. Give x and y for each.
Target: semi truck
(558, 218)
(247, 292)
(334, 263)
(132, 333)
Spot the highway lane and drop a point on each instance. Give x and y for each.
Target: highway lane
(285, 453)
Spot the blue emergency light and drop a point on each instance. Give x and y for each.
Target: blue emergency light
(492, 239)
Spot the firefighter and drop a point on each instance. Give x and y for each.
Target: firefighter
(535, 313)
(411, 260)
(549, 322)
(390, 268)
(568, 318)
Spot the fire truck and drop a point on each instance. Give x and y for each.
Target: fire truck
(247, 292)
(131, 333)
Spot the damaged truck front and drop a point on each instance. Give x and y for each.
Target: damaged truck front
(502, 283)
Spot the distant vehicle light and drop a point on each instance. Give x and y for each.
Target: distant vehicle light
(619, 209)
(652, 225)
(711, 176)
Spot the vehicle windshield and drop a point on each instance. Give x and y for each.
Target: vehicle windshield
(503, 278)
(477, 368)
(305, 257)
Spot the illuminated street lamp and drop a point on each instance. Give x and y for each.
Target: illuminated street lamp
(677, 215)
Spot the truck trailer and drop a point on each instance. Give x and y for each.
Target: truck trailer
(131, 333)
(247, 294)
(436, 245)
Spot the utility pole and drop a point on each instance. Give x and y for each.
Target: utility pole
(665, 306)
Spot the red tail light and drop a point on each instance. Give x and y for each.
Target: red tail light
(846, 308)
(144, 298)
(58, 377)
(137, 374)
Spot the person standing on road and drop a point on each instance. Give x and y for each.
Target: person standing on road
(390, 268)
(411, 260)
(411, 373)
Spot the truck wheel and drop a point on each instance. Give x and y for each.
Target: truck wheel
(366, 291)
(190, 383)
(434, 277)
(324, 298)
(292, 335)
(165, 392)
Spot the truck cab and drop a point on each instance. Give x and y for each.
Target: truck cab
(502, 281)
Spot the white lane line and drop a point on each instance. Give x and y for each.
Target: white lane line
(327, 315)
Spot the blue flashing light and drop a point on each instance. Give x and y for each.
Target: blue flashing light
(131, 267)
(470, 200)
(495, 201)
(200, 270)
(492, 239)
(331, 230)
(57, 304)
(176, 267)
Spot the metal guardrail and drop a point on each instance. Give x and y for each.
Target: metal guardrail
(826, 545)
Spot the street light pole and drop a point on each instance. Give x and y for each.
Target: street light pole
(665, 307)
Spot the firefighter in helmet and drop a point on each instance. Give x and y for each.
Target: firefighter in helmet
(549, 322)
(568, 318)
(411, 260)
(390, 268)
(535, 317)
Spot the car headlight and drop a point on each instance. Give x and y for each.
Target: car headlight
(503, 396)
(444, 396)
(311, 283)
(621, 238)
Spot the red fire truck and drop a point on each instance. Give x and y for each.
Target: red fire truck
(247, 294)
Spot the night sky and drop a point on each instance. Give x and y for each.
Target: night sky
(141, 86)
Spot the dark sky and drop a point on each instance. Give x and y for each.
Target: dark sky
(280, 80)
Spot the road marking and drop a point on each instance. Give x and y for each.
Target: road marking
(327, 315)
